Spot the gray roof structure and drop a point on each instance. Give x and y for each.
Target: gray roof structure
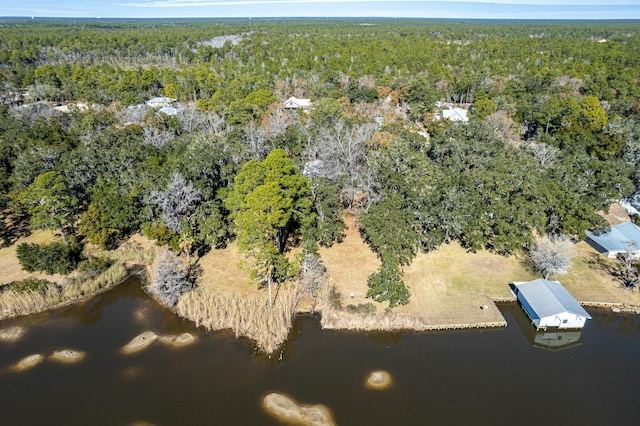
(621, 238)
(549, 298)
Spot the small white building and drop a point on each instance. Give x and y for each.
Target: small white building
(624, 238)
(161, 101)
(453, 113)
(295, 103)
(456, 114)
(549, 304)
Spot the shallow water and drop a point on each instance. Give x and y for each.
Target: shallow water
(490, 377)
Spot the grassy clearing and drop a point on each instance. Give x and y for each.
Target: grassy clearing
(224, 271)
(450, 285)
(12, 271)
(349, 264)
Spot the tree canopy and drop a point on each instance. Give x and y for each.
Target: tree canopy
(553, 135)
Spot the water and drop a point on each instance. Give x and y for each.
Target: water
(492, 377)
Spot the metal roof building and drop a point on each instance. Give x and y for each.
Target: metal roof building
(549, 304)
(620, 239)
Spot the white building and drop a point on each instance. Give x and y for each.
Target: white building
(159, 102)
(620, 239)
(456, 114)
(452, 113)
(549, 304)
(295, 103)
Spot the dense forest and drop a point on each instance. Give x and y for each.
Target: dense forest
(553, 135)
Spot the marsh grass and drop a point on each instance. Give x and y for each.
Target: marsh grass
(14, 303)
(82, 286)
(248, 316)
(127, 253)
(17, 303)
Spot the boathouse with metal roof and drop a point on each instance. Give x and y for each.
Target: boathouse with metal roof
(549, 304)
(624, 238)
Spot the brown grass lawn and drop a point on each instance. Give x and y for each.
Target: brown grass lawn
(10, 269)
(616, 215)
(450, 285)
(224, 270)
(590, 281)
(349, 264)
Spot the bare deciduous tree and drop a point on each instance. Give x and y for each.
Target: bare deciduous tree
(312, 275)
(133, 115)
(629, 273)
(215, 124)
(543, 153)
(156, 137)
(171, 278)
(176, 202)
(191, 119)
(506, 129)
(277, 122)
(341, 149)
(255, 139)
(552, 255)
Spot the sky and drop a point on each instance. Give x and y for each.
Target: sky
(480, 9)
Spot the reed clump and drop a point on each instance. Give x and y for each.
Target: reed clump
(84, 285)
(24, 301)
(248, 316)
(129, 253)
(13, 304)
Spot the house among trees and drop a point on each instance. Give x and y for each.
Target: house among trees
(160, 102)
(452, 113)
(295, 103)
(549, 304)
(621, 239)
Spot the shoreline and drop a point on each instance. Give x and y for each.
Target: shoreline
(330, 319)
(134, 269)
(456, 303)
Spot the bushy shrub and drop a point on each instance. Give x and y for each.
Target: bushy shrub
(55, 258)
(29, 285)
(162, 235)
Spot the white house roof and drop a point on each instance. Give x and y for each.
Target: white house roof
(621, 238)
(455, 114)
(548, 298)
(161, 100)
(294, 102)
